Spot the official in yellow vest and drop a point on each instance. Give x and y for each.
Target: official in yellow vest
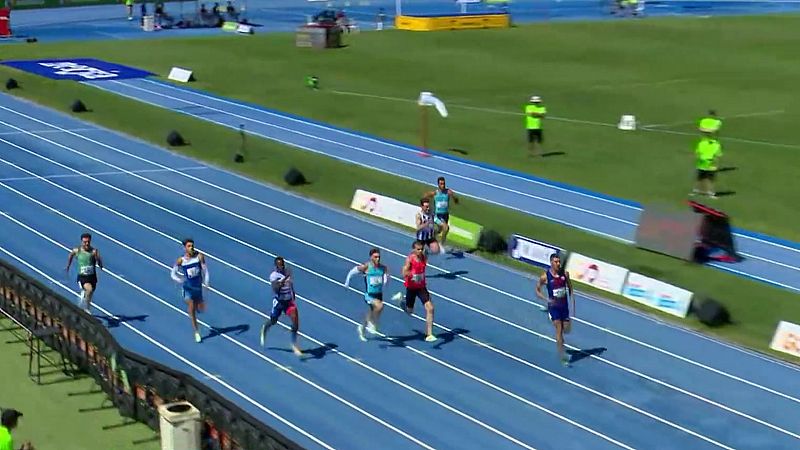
(535, 112)
(10, 417)
(707, 153)
(710, 123)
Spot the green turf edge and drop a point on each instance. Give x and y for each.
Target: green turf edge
(51, 411)
(753, 326)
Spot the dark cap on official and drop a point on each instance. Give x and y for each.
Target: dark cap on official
(10, 416)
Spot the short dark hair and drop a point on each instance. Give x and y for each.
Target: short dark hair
(86, 235)
(373, 251)
(424, 200)
(187, 240)
(418, 242)
(440, 179)
(9, 418)
(554, 256)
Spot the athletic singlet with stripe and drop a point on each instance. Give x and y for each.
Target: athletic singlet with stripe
(86, 261)
(286, 292)
(441, 201)
(416, 277)
(192, 271)
(427, 233)
(374, 279)
(557, 288)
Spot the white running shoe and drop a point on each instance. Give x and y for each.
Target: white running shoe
(360, 329)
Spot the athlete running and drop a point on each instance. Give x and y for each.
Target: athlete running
(283, 302)
(191, 271)
(88, 257)
(375, 280)
(426, 227)
(558, 287)
(441, 208)
(416, 287)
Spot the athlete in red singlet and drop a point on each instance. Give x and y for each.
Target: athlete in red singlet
(416, 287)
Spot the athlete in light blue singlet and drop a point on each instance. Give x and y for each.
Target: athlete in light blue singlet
(376, 276)
(441, 207)
(191, 271)
(559, 289)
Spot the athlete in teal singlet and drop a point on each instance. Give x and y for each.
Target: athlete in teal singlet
(441, 208)
(376, 276)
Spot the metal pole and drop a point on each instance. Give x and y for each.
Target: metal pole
(424, 127)
(397, 8)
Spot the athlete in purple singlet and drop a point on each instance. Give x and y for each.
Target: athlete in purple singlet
(559, 287)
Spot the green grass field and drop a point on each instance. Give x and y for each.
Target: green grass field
(52, 417)
(582, 75)
(664, 71)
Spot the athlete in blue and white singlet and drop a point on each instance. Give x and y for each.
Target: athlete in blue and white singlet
(283, 302)
(426, 227)
(192, 272)
(376, 276)
(559, 290)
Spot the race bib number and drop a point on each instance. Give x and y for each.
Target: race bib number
(418, 277)
(87, 270)
(441, 205)
(375, 280)
(192, 272)
(560, 292)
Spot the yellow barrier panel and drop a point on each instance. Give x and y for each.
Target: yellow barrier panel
(465, 22)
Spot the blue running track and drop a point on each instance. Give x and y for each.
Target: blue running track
(767, 259)
(492, 380)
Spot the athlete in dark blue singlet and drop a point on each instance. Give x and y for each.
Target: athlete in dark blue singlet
(559, 289)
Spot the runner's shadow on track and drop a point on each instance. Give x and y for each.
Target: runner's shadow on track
(577, 355)
(450, 275)
(727, 169)
(448, 336)
(239, 329)
(458, 150)
(113, 322)
(400, 341)
(311, 353)
(725, 193)
(549, 154)
(455, 254)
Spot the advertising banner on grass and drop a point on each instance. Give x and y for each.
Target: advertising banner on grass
(787, 338)
(596, 273)
(386, 208)
(464, 233)
(78, 69)
(657, 294)
(531, 251)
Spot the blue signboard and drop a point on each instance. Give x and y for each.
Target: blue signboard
(78, 69)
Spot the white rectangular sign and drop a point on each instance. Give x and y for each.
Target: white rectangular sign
(532, 251)
(596, 273)
(657, 294)
(385, 207)
(182, 75)
(787, 338)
